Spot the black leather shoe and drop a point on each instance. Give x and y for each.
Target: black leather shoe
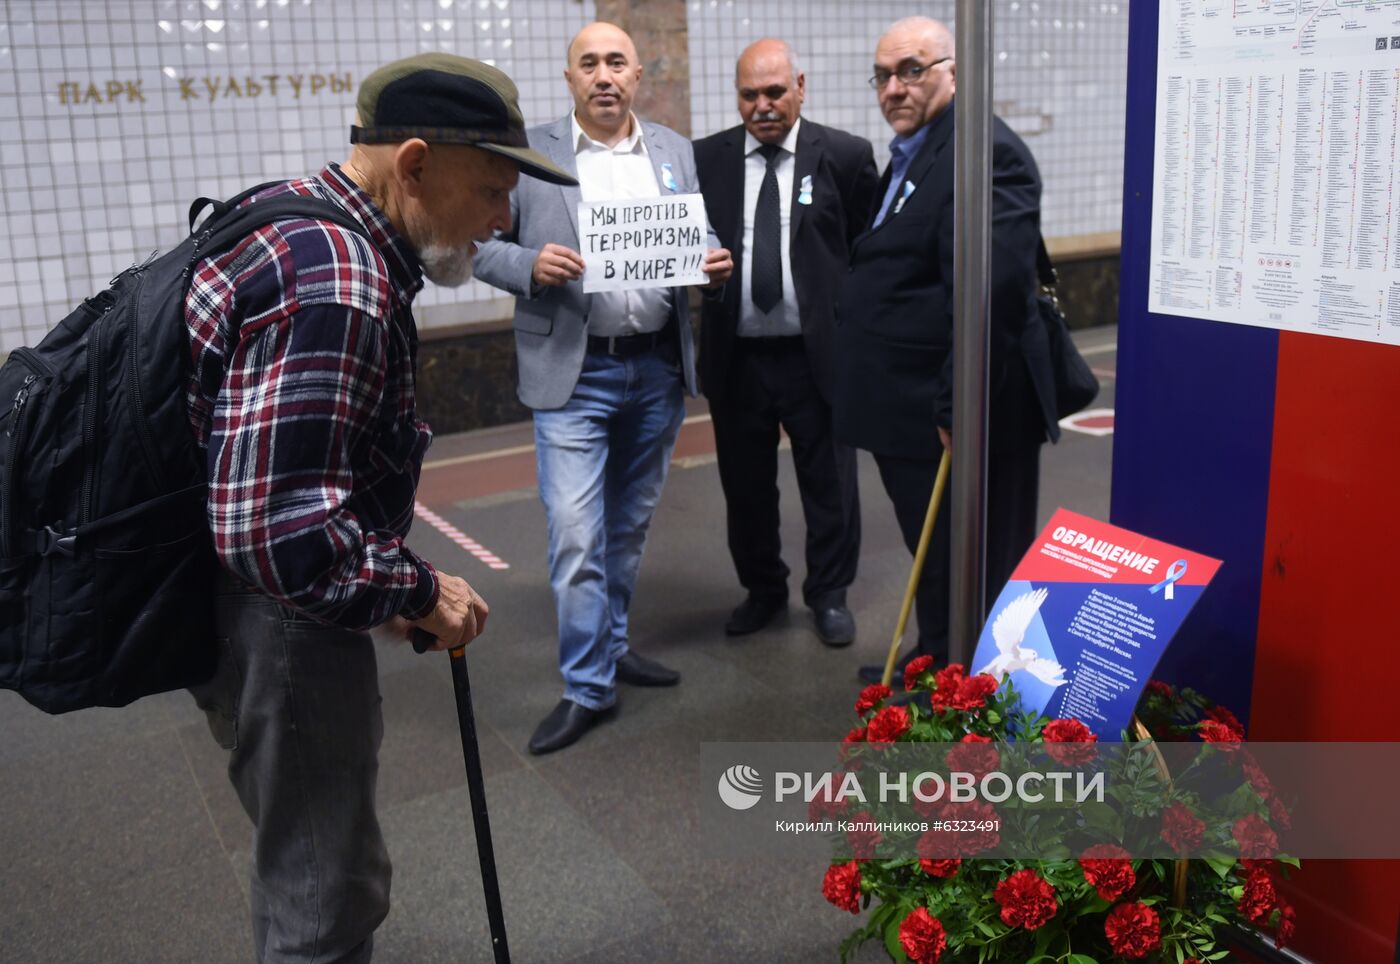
(753, 614)
(870, 675)
(565, 724)
(835, 625)
(640, 671)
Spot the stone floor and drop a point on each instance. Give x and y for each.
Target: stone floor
(121, 840)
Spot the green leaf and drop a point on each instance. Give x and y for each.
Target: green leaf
(1221, 865)
(1218, 956)
(1290, 861)
(896, 949)
(1081, 959)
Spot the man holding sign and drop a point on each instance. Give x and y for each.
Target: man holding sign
(604, 361)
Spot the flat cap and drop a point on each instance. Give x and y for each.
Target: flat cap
(446, 99)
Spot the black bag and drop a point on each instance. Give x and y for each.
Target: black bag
(107, 569)
(1075, 384)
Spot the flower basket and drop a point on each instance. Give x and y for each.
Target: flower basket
(1084, 906)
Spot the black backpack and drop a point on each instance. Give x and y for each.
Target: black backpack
(107, 568)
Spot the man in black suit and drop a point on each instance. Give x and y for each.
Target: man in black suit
(894, 337)
(786, 195)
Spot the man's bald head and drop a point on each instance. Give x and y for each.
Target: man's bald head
(935, 32)
(770, 89)
(608, 34)
(603, 74)
(921, 50)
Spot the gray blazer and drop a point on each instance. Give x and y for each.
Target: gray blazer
(551, 323)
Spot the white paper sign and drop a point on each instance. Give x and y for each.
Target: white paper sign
(652, 243)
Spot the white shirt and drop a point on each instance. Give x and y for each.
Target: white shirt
(783, 319)
(614, 174)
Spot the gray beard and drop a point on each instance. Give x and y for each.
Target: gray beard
(446, 266)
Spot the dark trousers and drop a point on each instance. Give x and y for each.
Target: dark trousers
(771, 385)
(1013, 483)
(296, 703)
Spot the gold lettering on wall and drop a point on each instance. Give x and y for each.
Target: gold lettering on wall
(72, 93)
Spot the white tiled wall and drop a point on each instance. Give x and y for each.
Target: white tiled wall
(87, 188)
(1060, 81)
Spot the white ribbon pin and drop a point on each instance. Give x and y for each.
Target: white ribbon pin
(908, 190)
(804, 192)
(668, 178)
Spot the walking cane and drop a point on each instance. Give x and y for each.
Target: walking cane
(471, 753)
(939, 484)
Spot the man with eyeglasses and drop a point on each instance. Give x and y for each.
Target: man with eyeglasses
(787, 196)
(894, 336)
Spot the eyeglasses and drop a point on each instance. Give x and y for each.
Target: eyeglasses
(908, 74)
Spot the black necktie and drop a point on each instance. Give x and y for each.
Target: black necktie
(767, 236)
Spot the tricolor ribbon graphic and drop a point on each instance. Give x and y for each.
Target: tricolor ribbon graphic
(1174, 572)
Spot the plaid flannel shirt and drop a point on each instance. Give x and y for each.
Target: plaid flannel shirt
(302, 396)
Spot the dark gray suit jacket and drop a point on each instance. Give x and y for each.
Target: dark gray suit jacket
(894, 333)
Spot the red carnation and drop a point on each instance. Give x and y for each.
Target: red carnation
(1259, 898)
(1133, 930)
(841, 886)
(973, 692)
(973, 841)
(1255, 837)
(921, 935)
(871, 697)
(935, 844)
(949, 676)
(1220, 734)
(1027, 900)
(1161, 689)
(1069, 742)
(1181, 829)
(1227, 719)
(1256, 776)
(850, 743)
(944, 867)
(1287, 923)
(1108, 869)
(824, 805)
(1279, 813)
(888, 725)
(863, 842)
(915, 668)
(974, 754)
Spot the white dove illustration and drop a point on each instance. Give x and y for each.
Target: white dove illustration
(1008, 629)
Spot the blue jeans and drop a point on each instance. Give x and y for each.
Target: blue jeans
(601, 461)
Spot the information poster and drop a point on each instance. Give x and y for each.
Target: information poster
(643, 244)
(1275, 187)
(1086, 616)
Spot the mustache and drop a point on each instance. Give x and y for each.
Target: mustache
(767, 115)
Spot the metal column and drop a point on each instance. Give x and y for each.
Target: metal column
(972, 184)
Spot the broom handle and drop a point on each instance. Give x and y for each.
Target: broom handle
(939, 484)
